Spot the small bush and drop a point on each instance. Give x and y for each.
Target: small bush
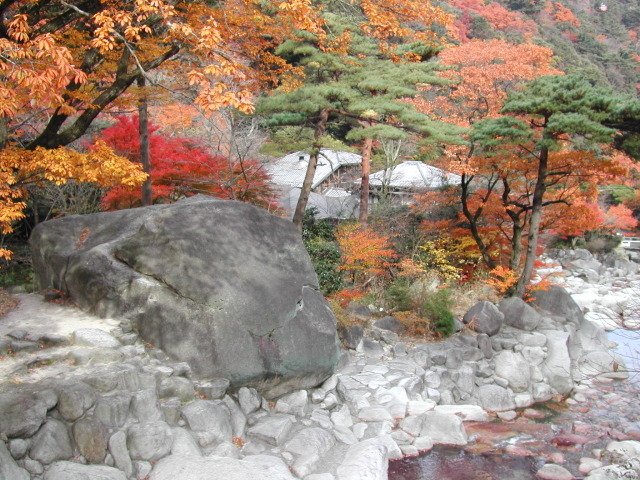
(437, 309)
(398, 296)
(325, 258)
(319, 240)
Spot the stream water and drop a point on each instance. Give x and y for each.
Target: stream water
(560, 433)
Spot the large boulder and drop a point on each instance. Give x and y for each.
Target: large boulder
(484, 317)
(219, 284)
(558, 301)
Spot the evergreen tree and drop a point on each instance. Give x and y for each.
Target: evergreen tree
(552, 112)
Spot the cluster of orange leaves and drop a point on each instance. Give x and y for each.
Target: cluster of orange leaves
(561, 14)
(495, 14)
(364, 251)
(19, 168)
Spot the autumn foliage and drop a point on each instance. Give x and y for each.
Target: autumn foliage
(19, 169)
(365, 253)
(182, 167)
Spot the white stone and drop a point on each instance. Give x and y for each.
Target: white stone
(363, 461)
(514, 369)
(468, 413)
(423, 444)
(295, 403)
(94, 337)
(415, 407)
(342, 417)
(254, 467)
(374, 414)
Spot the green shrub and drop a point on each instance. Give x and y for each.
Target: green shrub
(398, 296)
(437, 309)
(319, 240)
(325, 258)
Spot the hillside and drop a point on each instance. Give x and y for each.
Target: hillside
(598, 39)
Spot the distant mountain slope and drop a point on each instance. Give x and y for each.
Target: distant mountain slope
(598, 39)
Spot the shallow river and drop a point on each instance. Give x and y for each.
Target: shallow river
(553, 432)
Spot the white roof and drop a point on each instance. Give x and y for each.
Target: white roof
(414, 175)
(327, 206)
(290, 170)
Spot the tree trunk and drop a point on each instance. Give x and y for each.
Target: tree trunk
(145, 154)
(364, 186)
(473, 221)
(534, 224)
(4, 132)
(301, 206)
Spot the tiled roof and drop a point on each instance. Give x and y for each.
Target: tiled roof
(290, 170)
(414, 175)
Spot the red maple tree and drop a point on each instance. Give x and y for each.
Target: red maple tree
(182, 167)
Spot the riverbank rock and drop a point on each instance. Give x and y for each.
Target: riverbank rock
(219, 284)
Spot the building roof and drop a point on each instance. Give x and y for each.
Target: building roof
(414, 175)
(337, 203)
(290, 170)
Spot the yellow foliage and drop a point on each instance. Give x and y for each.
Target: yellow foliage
(19, 167)
(435, 257)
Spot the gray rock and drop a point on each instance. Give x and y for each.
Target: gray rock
(184, 443)
(34, 467)
(240, 302)
(309, 445)
(120, 453)
(91, 437)
(495, 398)
(557, 366)
(74, 400)
(76, 471)
(149, 441)
(364, 461)
(371, 347)
(121, 376)
(113, 410)
(627, 470)
(18, 447)
(350, 335)
(254, 467)
(484, 344)
(180, 387)
(210, 420)
(249, 400)
(236, 416)
(273, 429)
(551, 471)
(18, 334)
(389, 323)
(170, 408)
(442, 428)
(484, 317)
(142, 469)
(9, 469)
(24, 346)
(294, 403)
(22, 413)
(51, 443)
(558, 301)
(518, 314)
(94, 337)
(144, 406)
(213, 389)
(514, 369)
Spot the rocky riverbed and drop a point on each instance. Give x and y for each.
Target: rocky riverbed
(84, 398)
